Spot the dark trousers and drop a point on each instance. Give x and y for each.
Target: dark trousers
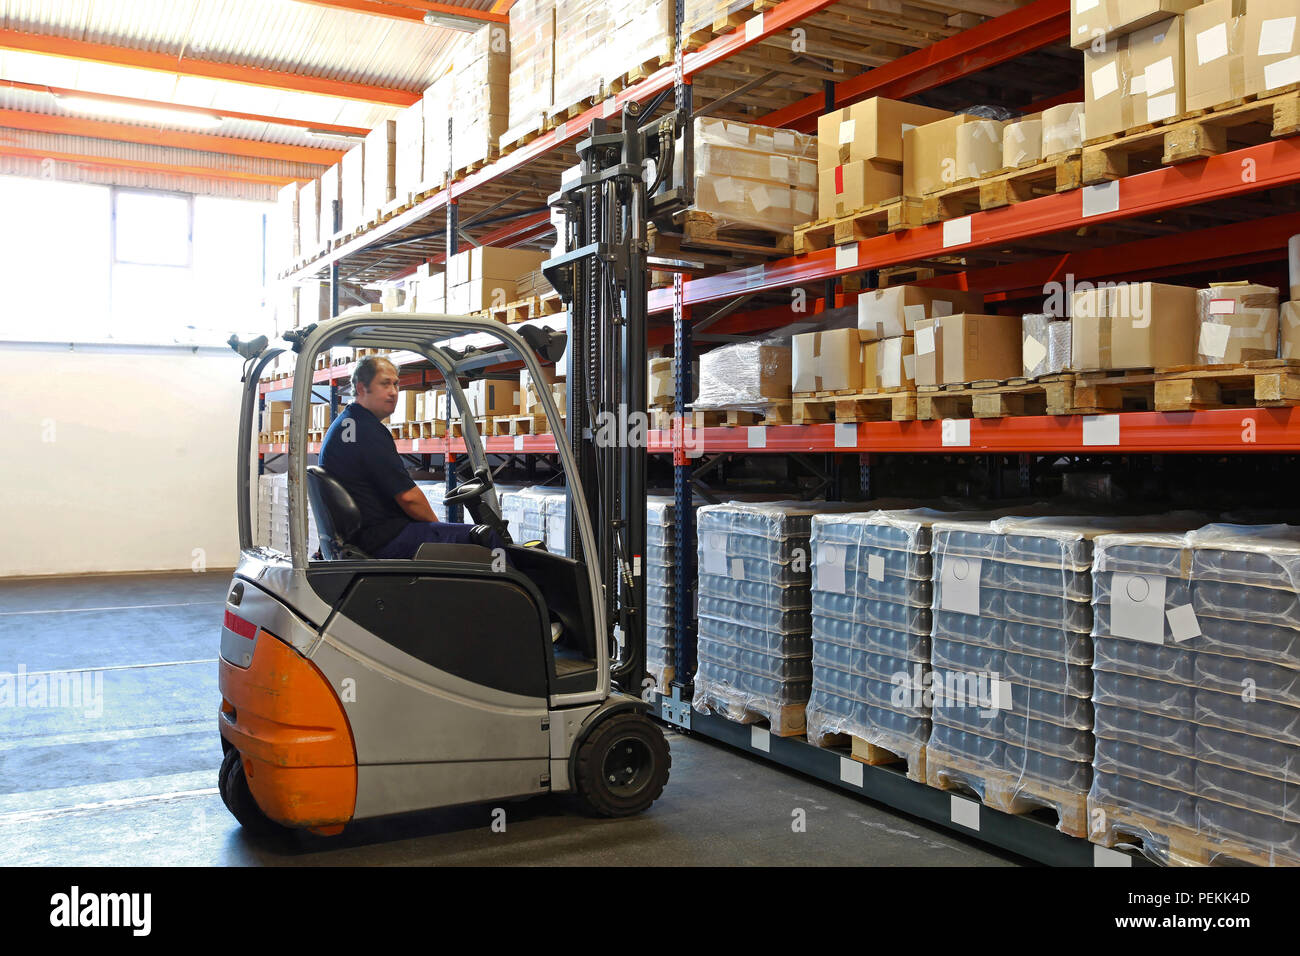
(416, 533)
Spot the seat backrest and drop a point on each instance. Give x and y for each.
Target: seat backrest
(337, 516)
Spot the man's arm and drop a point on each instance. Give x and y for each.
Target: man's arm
(415, 504)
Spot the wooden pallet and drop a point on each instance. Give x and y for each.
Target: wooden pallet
(1272, 383)
(493, 154)
(1174, 845)
(315, 435)
(777, 413)
(535, 129)
(636, 74)
(1207, 134)
(1047, 395)
(789, 720)
(903, 275)
(874, 220)
(1008, 792)
(888, 405)
(1005, 188)
(702, 230)
(524, 424)
(533, 307)
(875, 755)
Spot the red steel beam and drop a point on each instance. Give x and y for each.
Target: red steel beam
(170, 63)
(111, 162)
(995, 41)
(151, 136)
(312, 125)
(1272, 164)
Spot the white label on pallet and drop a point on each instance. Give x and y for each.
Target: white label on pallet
(1212, 44)
(1101, 429)
(1100, 199)
(959, 583)
(1159, 75)
(876, 567)
(1276, 36)
(760, 739)
(754, 28)
(830, 569)
(955, 432)
(1183, 625)
(1161, 107)
(850, 771)
(846, 256)
(757, 437)
(1137, 607)
(965, 813)
(1105, 81)
(1214, 340)
(519, 443)
(1282, 73)
(846, 434)
(1033, 353)
(956, 232)
(715, 553)
(1104, 856)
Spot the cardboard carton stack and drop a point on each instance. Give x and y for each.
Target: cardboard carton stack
(437, 102)
(331, 191)
(1214, 51)
(480, 95)
(1094, 19)
(641, 33)
(487, 277)
(533, 283)
(581, 30)
(1133, 325)
(309, 234)
(493, 397)
(887, 322)
(968, 347)
(408, 160)
(860, 153)
(352, 187)
(1272, 46)
(380, 186)
(532, 67)
(1135, 79)
(282, 242)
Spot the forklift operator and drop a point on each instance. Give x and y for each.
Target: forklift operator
(361, 454)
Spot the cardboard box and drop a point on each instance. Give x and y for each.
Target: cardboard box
(494, 397)
(529, 388)
(885, 313)
(1237, 322)
(331, 190)
(1107, 87)
(660, 384)
(872, 129)
(275, 417)
(827, 361)
(405, 410)
(1156, 67)
(1289, 320)
(491, 262)
(1022, 143)
(979, 149)
(479, 295)
(408, 162)
(1091, 19)
(1133, 325)
(849, 187)
(353, 186)
(889, 363)
(380, 167)
(1063, 129)
(1214, 53)
(967, 348)
(930, 155)
(1272, 45)
(309, 217)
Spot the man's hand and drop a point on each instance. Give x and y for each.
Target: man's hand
(416, 506)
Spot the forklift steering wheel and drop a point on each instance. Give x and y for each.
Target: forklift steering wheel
(467, 492)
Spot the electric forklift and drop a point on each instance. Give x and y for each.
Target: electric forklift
(354, 688)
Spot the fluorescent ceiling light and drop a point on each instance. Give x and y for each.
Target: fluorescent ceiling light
(136, 113)
(453, 21)
(330, 136)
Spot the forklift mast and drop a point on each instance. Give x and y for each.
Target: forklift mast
(624, 181)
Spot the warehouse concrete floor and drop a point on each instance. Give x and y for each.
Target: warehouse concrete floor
(126, 775)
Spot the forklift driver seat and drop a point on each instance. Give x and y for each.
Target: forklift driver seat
(337, 516)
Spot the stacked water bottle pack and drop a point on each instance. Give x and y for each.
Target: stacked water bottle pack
(1197, 691)
(754, 648)
(660, 583)
(435, 491)
(871, 597)
(273, 515)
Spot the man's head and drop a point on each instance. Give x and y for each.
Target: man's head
(375, 382)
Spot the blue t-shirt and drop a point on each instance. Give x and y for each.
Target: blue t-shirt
(360, 453)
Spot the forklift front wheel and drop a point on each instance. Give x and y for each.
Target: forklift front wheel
(622, 766)
(239, 799)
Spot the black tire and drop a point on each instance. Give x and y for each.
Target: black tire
(239, 799)
(622, 766)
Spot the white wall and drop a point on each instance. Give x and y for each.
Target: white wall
(116, 458)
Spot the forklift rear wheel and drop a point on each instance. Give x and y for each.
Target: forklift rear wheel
(622, 766)
(239, 799)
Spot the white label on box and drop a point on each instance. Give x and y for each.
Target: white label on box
(876, 567)
(1159, 76)
(519, 443)
(939, 308)
(1034, 354)
(846, 256)
(955, 432)
(925, 340)
(1223, 307)
(846, 434)
(1137, 607)
(1102, 856)
(1105, 81)
(1161, 107)
(757, 436)
(1214, 339)
(754, 27)
(737, 569)
(847, 129)
(779, 167)
(1182, 623)
(956, 232)
(759, 738)
(715, 554)
(891, 354)
(965, 813)
(783, 140)
(1276, 36)
(1100, 199)
(850, 771)
(912, 314)
(959, 577)
(909, 367)
(1282, 73)
(1212, 44)
(1083, 6)
(830, 569)
(1101, 429)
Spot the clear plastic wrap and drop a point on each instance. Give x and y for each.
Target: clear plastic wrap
(1022, 143)
(435, 491)
(660, 567)
(979, 149)
(532, 67)
(1237, 322)
(703, 14)
(1046, 344)
(745, 375)
(1198, 656)
(1063, 129)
